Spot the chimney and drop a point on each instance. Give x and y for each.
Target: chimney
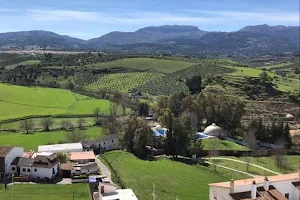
(266, 184)
(254, 190)
(232, 186)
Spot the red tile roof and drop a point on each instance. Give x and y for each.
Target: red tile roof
(87, 155)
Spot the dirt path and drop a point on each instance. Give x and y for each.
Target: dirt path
(221, 166)
(104, 170)
(239, 161)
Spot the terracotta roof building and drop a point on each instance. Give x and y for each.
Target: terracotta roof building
(280, 187)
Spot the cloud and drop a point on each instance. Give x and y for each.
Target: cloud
(267, 16)
(129, 17)
(62, 15)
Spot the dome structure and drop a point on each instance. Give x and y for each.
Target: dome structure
(213, 130)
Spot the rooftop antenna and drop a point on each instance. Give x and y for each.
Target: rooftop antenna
(153, 192)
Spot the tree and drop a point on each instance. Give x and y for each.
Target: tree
(62, 157)
(167, 120)
(97, 114)
(143, 109)
(47, 123)
(287, 136)
(279, 152)
(80, 122)
(194, 84)
(26, 125)
(74, 136)
(142, 137)
(70, 85)
(66, 124)
(130, 125)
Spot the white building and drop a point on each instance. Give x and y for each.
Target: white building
(7, 155)
(40, 166)
(110, 192)
(105, 143)
(280, 187)
(64, 148)
(83, 163)
(213, 130)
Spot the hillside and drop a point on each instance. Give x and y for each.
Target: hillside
(18, 101)
(187, 40)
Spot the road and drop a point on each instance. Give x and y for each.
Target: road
(239, 161)
(104, 170)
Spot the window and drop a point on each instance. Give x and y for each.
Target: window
(53, 171)
(287, 195)
(104, 143)
(112, 140)
(28, 170)
(13, 168)
(35, 170)
(24, 170)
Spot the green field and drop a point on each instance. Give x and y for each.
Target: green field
(217, 144)
(45, 192)
(172, 179)
(18, 101)
(275, 65)
(284, 84)
(27, 62)
(293, 163)
(33, 140)
(242, 167)
(158, 65)
(123, 82)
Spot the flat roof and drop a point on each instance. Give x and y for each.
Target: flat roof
(125, 194)
(60, 147)
(86, 155)
(258, 180)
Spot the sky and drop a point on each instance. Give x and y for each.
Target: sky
(87, 19)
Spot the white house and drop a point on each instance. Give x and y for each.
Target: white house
(279, 187)
(105, 143)
(64, 148)
(109, 192)
(83, 163)
(7, 155)
(82, 157)
(41, 166)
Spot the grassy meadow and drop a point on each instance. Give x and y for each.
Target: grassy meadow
(27, 62)
(19, 101)
(221, 145)
(32, 140)
(45, 192)
(158, 65)
(284, 84)
(292, 162)
(172, 179)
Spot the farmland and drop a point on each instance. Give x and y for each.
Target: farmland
(172, 179)
(146, 64)
(18, 101)
(32, 140)
(45, 192)
(124, 82)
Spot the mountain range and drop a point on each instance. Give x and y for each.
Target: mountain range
(188, 40)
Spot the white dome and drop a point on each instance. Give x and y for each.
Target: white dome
(158, 126)
(213, 130)
(289, 116)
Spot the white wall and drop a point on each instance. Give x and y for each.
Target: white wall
(40, 172)
(283, 187)
(110, 144)
(15, 152)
